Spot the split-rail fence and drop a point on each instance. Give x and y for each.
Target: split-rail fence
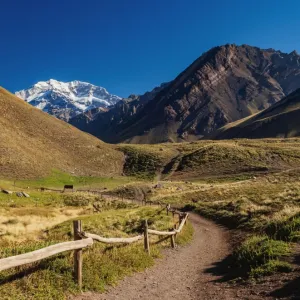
(83, 240)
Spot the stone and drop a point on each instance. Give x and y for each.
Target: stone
(7, 192)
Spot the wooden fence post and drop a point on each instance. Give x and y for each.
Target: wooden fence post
(168, 207)
(77, 227)
(172, 237)
(146, 238)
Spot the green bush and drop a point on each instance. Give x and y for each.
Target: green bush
(76, 200)
(287, 230)
(258, 251)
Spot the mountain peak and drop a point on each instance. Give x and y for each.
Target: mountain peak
(67, 99)
(224, 84)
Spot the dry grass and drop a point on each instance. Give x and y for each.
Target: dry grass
(203, 159)
(32, 143)
(103, 264)
(21, 223)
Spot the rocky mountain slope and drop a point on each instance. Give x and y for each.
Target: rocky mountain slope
(280, 120)
(33, 143)
(65, 100)
(225, 84)
(105, 123)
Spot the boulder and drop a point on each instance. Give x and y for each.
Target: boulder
(7, 192)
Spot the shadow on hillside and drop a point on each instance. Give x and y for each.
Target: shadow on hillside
(291, 290)
(225, 270)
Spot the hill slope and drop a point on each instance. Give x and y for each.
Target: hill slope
(32, 143)
(225, 84)
(279, 120)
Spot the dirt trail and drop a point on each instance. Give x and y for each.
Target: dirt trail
(182, 273)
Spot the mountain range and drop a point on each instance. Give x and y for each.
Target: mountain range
(105, 124)
(66, 100)
(225, 84)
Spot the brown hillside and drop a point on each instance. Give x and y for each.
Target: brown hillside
(280, 120)
(32, 143)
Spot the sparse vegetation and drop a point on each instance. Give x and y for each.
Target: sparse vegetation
(141, 163)
(58, 179)
(103, 264)
(265, 207)
(260, 255)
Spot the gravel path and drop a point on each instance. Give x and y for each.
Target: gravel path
(181, 273)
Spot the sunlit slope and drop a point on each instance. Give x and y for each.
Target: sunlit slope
(280, 120)
(32, 143)
(207, 158)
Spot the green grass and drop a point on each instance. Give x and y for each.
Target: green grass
(186, 236)
(37, 199)
(103, 265)
(58, 179)
(267, 209)
(285, 229)
(270, 268)
(140, 162)
(260, 255)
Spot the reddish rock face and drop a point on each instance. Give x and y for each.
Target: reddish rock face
(225, 84)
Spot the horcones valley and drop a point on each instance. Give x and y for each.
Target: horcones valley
(189, 191)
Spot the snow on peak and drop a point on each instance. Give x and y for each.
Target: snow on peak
(67, 99)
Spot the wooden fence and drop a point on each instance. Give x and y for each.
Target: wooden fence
(83, 240)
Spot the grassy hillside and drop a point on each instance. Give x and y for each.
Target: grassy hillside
(32, 143)
(204, 159)
(280, 120)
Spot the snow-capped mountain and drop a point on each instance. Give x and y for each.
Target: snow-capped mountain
(65, 100)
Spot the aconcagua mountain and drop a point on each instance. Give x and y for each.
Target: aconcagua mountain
(223, 85)
(65, 100)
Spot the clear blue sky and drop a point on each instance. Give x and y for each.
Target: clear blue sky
(130, 46)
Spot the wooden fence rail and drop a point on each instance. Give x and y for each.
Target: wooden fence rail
(173, 232)
(34, 256)
(104, 240)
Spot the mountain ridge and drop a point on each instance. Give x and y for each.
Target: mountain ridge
(67, 99)
(223, 85)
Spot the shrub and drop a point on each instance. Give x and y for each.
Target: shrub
(271, 267)
(257, 251)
